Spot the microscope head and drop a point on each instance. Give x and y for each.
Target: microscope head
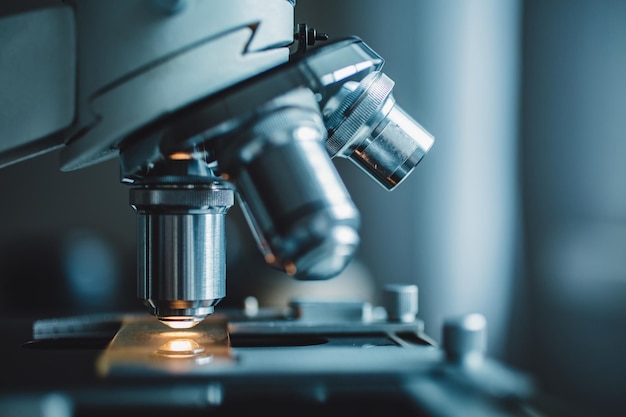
(207, 105)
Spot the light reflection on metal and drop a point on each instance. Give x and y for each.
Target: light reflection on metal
(182, 322)
(144, 346)
(180, 348)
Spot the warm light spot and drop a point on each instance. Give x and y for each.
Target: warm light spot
(180, 156)
(183, 345)
(180, 348)
(178, 334)
(290, 268)
(181, 322)
(270, 258)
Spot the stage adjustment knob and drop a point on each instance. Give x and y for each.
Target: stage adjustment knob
(465, 339)
(401, 302)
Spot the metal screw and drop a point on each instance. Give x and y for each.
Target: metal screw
(307, 36)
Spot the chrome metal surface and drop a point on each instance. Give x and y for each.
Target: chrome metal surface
(294, 200)
(371, 130)
(181, 250)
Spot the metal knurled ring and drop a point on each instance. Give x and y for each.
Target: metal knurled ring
(182, 197)
(356, 110)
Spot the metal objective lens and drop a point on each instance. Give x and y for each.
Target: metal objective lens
(366, 126)
(181, 250)
(303, 218)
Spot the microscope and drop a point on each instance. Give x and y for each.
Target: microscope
(207, 104)
(204, 103)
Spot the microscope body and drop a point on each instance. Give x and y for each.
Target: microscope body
(207, 103)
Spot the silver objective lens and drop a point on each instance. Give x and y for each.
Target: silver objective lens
(366, 126)
(291, 194)
(181, 250)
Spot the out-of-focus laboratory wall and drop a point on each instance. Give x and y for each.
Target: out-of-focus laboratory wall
(573, 143)
(67, 240)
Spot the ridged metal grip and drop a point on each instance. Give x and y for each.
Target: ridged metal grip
(401, 302)
(368, 128)
(465, 339)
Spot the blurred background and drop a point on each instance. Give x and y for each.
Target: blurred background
(518, 211)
